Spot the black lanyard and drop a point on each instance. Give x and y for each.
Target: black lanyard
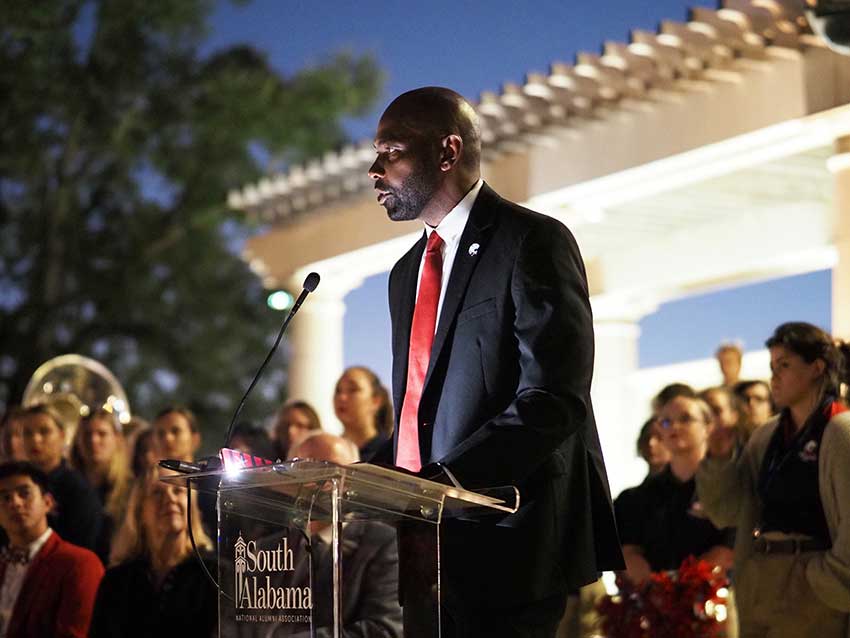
(779, 452)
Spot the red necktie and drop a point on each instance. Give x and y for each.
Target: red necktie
(421, 338)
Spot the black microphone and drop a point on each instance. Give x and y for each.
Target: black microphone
(310, 284)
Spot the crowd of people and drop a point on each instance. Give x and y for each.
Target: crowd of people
(95, 544)
(751, 476)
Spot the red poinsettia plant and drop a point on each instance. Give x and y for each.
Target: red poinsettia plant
(686, 603)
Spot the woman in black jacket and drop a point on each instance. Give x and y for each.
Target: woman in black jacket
(156, 586)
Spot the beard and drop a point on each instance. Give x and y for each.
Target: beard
(406, 202)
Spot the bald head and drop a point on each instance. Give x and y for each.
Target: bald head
(327, 447)
(428, 154)
(436, 112)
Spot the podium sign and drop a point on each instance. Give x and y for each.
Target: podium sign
(285, 530)
(265, 577)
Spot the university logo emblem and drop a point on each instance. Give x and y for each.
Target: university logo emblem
(263, 578)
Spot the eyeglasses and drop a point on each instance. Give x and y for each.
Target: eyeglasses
(685, 419)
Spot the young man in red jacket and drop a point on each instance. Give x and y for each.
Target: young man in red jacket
(47, 585)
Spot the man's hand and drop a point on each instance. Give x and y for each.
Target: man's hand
(719, 555)
(637, 567)
(436, 472)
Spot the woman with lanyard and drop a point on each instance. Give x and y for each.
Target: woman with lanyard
(788, 493)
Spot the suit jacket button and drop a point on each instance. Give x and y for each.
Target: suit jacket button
(425, 424)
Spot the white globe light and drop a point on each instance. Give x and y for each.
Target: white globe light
(280, 300)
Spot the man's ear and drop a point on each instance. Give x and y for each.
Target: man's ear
(196, 441)
(50, 501)
(451, 148)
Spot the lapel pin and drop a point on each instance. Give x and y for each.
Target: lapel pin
(473, 249)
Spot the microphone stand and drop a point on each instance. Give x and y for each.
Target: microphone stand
(310, 284)
(214, 462)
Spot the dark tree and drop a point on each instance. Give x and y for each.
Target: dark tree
(119, 141)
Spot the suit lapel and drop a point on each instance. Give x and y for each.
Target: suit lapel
(477, 231)
(351, 535)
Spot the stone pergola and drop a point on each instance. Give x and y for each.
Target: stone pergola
(722, 143)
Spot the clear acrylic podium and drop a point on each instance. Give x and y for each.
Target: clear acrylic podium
(283, 543)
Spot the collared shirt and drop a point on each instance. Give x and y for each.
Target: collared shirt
(450, 229)
(14, 580)
(326, 534)
(663, 516)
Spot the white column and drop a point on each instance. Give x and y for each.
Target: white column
(316, 344)
(618, 415)
(839, 166)
(617, 418)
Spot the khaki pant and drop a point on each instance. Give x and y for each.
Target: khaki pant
(775, 600)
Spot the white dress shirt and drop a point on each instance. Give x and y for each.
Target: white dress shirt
(14, 580)
(450, 229)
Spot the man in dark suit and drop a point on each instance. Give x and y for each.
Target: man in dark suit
(370, 606)
(492, 362)
(48, 586)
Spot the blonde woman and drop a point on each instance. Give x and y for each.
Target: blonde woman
(77, 516)
(155, 585)
(99, 453)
